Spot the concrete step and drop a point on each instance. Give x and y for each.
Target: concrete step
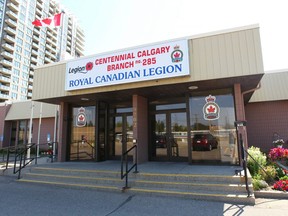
(229, 189)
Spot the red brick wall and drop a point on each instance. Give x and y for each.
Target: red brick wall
(265, 118)
(3, 111)
(47, 126)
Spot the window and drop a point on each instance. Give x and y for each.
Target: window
(15, 80)
(17, 56)
(18, 48)
(16, 72)
(19, 41)
(14, 95)
(17, 64)
(14, 87)
(212, 118)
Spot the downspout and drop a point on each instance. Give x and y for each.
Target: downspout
(245, 147)
(248, 91)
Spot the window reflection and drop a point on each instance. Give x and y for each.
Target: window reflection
(215, 139)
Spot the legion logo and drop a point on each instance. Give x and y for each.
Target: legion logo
(81, 117)
(177, 54)
(211, 110)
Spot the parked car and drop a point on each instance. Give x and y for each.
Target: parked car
(204, 141)
(161, 141)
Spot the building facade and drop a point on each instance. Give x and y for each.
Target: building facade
(24, 46)
(177, 100)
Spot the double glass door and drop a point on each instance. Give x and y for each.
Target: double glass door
(169, 138)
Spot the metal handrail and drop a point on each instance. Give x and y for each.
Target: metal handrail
(127, 171)
(21, 155)
(22, 152)
(244, 165)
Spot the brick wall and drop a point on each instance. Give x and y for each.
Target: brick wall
(265, 118)
(47, 126)
(3, 111)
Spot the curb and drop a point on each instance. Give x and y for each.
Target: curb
(271, 194)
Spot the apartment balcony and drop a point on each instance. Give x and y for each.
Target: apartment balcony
(47, 60)
(36, 32)
(4, 79)
(4, 96)
(35, 38)
(9, 39)
(29, 95)
(6, 63)
(34, 52)
(4, 70)
(4, 88)
(10, 30)
(16, 2)
(39, 5)
(7, 55)
(8, 47)
(35, 45)
(12, 15)
(13, 7)
(33, 60)
(11, 23)
(30, 80)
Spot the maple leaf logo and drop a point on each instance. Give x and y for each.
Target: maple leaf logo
(177, 55)
(211, 109)
(81, 117)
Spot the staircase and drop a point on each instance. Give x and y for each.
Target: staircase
(224, 188)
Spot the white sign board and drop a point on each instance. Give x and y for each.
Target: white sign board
(158, 61)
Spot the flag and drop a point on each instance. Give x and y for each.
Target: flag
(50, 21)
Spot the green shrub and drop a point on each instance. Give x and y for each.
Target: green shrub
(269, 174)
(259, 157)
(259, 184)
(279, 171)
(284, 178)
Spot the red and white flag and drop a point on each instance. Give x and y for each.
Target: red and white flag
(50, 21)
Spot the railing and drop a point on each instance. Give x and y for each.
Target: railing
(127, 170)
(22, 155)
(244, 159)
(83, 144)
(23, 160)
(46, 150)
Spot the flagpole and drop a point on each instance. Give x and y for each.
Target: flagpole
(30, 128)
(39, 129)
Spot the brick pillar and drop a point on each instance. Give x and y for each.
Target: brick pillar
(240, 116)
(63, 131)
(140, 126)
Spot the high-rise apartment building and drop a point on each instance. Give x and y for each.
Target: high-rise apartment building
(24, 46)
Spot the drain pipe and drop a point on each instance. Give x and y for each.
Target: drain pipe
(244, 93)
(243, 150)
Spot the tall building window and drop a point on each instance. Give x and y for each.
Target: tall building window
(19, 41)
(14, 87)
(15, 80)
(17, 64)
(16, 72)
(17, 56)
(18, 48)
(14, 95)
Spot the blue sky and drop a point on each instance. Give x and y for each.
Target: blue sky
(116, 24)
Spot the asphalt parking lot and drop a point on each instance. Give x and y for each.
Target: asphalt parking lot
(32, 199)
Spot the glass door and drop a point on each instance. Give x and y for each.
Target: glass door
(169, 140)
(82, 146)
(121, 138)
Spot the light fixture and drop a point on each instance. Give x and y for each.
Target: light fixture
(193, 87)
(85, 99)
